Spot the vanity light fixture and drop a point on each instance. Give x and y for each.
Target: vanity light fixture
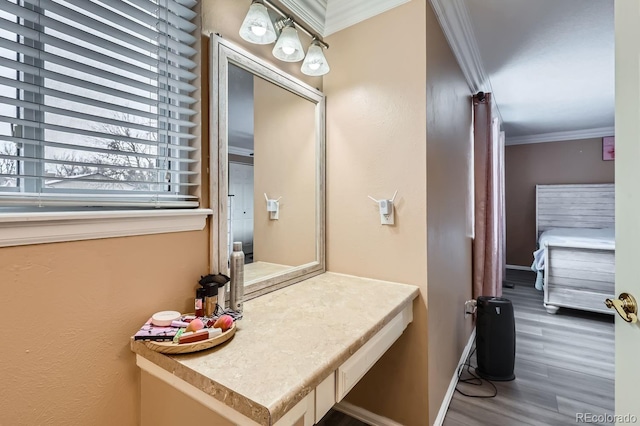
(257, 27)
(315, 64)
(288, 47)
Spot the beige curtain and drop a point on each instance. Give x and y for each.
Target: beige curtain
(488, 244)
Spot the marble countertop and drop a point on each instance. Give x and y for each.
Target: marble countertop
(288, 342)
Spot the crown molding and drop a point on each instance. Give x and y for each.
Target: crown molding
(562, 136)
(311, 12)
(343, 14)
(455, 21)
(330, 16)
(454, 18)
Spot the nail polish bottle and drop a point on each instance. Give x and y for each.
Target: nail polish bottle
(199, 305)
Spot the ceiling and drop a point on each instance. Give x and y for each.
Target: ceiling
(329, 16)
(548, 63)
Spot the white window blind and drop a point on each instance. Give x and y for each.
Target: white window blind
(96, 103)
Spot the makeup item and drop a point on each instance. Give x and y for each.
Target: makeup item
(153, 332)
(199, 304)
(164, 318)
(210, 299)
(176, 338)
(225, 322)
(179, 324)
(196, 336)
(195, 325)
(236, 285)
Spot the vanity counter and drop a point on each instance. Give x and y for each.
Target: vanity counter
(288, 342)
(261, 269)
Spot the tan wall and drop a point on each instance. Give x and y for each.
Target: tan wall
(284, 166)
(83, 300)
(578, 161)
(376, 134)
(449, 160)
(70, 309)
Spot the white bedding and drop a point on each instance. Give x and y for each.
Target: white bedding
(603, 238)
(595, 238)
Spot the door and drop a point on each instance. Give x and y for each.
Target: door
(241, 187)
(627, 22)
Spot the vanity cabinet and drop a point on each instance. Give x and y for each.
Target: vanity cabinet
(350, 373)
(325, 396)
(292, 358)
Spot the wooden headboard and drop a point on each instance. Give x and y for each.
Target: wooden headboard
(574, 206)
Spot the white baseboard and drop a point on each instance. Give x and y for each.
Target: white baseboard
(375, 420)
(363, 415)
(454, 381)
(519, 268)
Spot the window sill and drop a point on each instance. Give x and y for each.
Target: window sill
(18, 229)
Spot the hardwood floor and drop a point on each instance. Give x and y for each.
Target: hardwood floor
(564, 366)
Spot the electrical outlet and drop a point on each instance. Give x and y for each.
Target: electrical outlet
(470, 307)
(388, 219)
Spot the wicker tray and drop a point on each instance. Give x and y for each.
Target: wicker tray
(187, 348)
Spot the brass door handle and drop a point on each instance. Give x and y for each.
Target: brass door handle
(626, 307)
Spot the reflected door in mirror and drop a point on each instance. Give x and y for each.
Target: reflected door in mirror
(241, 189)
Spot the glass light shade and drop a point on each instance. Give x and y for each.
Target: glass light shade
(257, 27)
(288, 47)
(315, 63)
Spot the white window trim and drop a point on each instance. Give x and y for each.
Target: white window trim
(18, 229)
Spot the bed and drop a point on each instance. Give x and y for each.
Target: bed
(575, 259)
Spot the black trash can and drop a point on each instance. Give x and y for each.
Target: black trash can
(495, 338)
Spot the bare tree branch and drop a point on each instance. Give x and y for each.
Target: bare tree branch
(121, 145)
(8, 166)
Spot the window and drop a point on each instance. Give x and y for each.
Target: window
(96, 104)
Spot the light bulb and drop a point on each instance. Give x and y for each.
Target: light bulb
(258, 30)
(257, 26)
(288, 50)
(288, 47)
(315, 64)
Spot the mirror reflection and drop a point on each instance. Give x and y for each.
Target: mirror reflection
(271, 156)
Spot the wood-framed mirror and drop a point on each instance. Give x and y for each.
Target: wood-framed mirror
(267, 142)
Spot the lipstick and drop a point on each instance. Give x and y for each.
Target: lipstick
(196, 336)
